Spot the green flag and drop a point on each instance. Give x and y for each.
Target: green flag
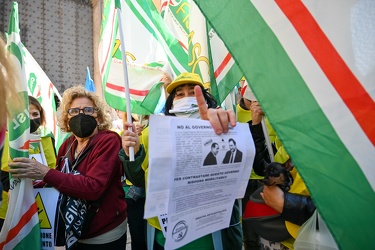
(21, 228)
(311, 69)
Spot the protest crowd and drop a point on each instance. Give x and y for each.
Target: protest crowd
(101, 169)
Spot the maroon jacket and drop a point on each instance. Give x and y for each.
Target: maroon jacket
(101, 172)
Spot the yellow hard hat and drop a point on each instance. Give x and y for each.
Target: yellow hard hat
(184, 78)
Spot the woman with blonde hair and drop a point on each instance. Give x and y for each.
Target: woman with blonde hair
(88, 174)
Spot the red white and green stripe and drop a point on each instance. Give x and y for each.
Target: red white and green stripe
(145, 81)
(149, 48)
(226, 73)
(318, 93)
(208, 55)
(146, 15)
(21, 228)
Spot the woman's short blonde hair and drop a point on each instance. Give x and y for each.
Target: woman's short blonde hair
(79, 91)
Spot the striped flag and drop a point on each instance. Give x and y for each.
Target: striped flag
(207, 54)
(225, 72)
(144, 83)
(311, 66)
(150, 52)
(143, 21)
(163, 7)
(41, 87)
(21, 228)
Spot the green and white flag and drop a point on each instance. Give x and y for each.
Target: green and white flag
(150, 52)
(21, 228)
(41, 87)
(311, 65)
(207, 54)
(148, 38)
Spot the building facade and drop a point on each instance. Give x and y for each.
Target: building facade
(59, 34)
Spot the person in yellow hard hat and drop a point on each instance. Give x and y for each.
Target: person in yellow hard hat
(182, 102)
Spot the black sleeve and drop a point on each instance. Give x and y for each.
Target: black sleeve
(5, 180)
(133, 169)
(297, 208)
(261, 152)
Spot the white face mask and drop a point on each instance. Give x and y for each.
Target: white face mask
(185, 107)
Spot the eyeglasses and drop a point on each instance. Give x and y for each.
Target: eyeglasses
(85, 110)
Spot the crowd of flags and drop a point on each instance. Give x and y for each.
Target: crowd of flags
(301, 74)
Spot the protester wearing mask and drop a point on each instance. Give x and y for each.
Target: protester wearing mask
(182, 103)
(94, 176)
(38, 133)
(41, 147)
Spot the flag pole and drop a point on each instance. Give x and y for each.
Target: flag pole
(126, 79)
(266, 136)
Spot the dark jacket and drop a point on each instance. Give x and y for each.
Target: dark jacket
(237, 157)
(134, 172)
(210, 159)
(297, 208)
(261, 152)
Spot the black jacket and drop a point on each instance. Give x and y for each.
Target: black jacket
(261, 152)
(297, 208)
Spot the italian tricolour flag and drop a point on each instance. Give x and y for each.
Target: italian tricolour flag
(311, 65)
(21, 228)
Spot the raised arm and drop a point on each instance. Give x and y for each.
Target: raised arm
(220, 119)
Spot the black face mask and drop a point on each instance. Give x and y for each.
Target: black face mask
(82, 125)
(34, 124)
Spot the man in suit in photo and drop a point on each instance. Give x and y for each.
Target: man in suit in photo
(211, 157)
(233, 154)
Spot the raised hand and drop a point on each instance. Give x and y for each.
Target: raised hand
(256, 113)
(129, 138)
(220, 119)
